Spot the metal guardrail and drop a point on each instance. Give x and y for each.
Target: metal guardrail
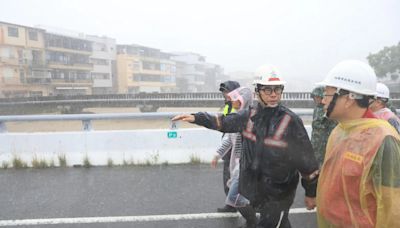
(139, 96)
(146, 102)
(210, 96)
(88, 118)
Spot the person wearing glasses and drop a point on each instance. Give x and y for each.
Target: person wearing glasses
(359, 183)
(276, 149)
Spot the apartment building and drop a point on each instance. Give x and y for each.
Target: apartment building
(103, 59)
(191, 73)
(144, 69)
(194, 74)
(214, 74)
(68, 62)
(51, 61)
(22, 61)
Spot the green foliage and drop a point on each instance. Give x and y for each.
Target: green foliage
(39, 163)
(18, 163)
(194, 159)
(110, 162)
(154, 158)
(86, 162)
(62, 160)
(386, 61)
(35, 162)
(4, 165)
(52, 164)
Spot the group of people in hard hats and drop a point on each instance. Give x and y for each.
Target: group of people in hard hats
(353, 182)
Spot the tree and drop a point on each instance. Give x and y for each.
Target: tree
(386, 62)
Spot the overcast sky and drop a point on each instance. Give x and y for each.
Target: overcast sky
(303, 38)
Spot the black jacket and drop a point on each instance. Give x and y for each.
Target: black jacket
(276, 148)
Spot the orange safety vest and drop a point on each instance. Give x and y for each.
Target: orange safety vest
(346, 195)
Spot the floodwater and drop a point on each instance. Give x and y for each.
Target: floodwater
(59, 126)
(133, 124)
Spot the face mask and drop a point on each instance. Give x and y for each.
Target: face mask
(272, 106)
(261, 102)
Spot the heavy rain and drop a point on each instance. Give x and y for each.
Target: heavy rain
(198, 114)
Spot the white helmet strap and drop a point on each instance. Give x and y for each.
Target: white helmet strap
(332, 104)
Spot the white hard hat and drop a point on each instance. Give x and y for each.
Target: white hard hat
(382, 90)
(268, 75)
(352, 75)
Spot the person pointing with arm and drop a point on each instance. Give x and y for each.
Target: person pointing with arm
(276, 149)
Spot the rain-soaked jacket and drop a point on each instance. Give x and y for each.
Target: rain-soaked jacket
(387, 114)
(359, 184)
(233, 141)
(276, 148)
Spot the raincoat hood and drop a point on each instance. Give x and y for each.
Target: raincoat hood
(228, 86)
(244, 95)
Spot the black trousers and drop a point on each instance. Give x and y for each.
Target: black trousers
(274, 213)
(226, 175)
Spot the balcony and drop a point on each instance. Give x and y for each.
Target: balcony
(70, 66)
(38, 64)
(9, 61)
(74, 51)
(103, 55)
(38, 81)
(85, 82)
(101, 69)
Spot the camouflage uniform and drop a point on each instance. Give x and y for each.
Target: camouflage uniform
(321, 127)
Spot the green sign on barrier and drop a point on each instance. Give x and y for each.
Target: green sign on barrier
(172, 134)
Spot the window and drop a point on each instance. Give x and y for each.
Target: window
(22, 76)
(136, 65)
(12, 31)
(5, 52)
(100, 76)
(147, 78)
(169, 79)
(37, 57)
(35, 93)
(99, 47)
(103, 62)
(33, 35)
(8, 73)
(151, 66)
(57, 75)
(80, 75)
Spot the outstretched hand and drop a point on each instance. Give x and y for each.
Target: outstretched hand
(184, 117)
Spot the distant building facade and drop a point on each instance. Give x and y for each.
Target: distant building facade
(103, 59)
(22, 61)
(49, 61)
(68, 61)
(194, 74)
(144, 69)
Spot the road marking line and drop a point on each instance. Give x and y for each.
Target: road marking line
(144, 218)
